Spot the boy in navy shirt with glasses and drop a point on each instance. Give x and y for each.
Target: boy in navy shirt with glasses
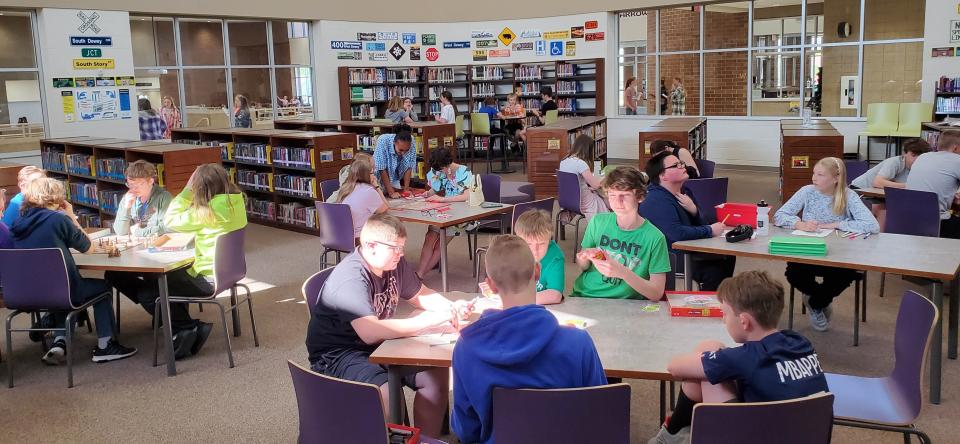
(769, 365)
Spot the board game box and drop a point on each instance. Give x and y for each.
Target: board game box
(694, 304)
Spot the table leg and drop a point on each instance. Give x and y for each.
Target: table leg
(443, 257)
(504, 163)
(687, 272)
(663, 402)
(167, 325)
(952, 323)
(395, 387)
(936, 352)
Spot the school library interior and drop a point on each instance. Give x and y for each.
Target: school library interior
(654, 221)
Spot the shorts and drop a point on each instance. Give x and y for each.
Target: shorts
(355, 365)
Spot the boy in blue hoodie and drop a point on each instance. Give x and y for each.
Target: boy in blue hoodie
(521, 346)
(48, 221)
(769, 365)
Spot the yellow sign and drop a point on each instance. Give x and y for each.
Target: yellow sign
(69, 106)
(571, 48)
(556, 35)
(93, 64)
(507, 36)
(447, 142)
(432, 142)
(553, 144)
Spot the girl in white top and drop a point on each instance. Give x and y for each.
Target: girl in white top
(448, 113)
(579, 161)
(826, 204)
(361, 192)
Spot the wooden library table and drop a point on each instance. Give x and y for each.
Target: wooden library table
(141, 261)
(936, 259)
(458, 213)
(614, 324)
(876, 193)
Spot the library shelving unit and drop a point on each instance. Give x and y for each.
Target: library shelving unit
(93, 170)
(546, 146)
(946, 101)
(578, 85)
(428, 135)
(688, 132)
(930, 131)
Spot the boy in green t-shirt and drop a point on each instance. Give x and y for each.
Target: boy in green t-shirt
(623, 256)
(536, 229)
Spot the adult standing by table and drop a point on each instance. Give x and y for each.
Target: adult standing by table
(673, 209)
(170, 114)
(630, 96)
(448, 111)
(678, 97)
(355, 312)
(939, 172)
(394, 160)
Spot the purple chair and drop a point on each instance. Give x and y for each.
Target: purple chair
(796, 421)
(708, 193)
(518, 210)
(855, 169)
(311, 288)
(356, 416)
(490, 184)
(327, 187)
(706, 168)
(910, 212)
(891, 403)
(24, 293)
(579, 415)
(336, 231)
(568, 196)
(229, 267)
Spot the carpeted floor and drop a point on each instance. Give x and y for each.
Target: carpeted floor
(130, 401)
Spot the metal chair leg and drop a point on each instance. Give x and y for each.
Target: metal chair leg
(9, 335)
(576, 239)
(253, 323)
(226, 333)
(856, 313)
(69, 351)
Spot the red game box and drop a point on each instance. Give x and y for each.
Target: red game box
(414, 437)
(694, 304)
(733, 214)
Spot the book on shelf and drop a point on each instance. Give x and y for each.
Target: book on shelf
(569, 87)
(110, 199)
(367, 93)
(187, 141)
(262, 209)
(403, 75)
(363, 112)
(483, 90)
(948, 84)
(256, 180)
(295, 213)
(567, 104)
(82, 164)
(418, 144)
(529, 89)
(441, 75)
(365, 142)
(112, 168)
(488, 73)
(947, 105)
(403, 91)
(529, 72)
(367, 75)
(83, 193)
(88, 218)
(252, 152)
(296, 185)
(53, 160)
(293, 157)
(160, 175)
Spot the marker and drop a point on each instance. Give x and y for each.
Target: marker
(867, 235)
(724, 221)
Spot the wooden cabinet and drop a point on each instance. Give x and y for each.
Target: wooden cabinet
(548, 144)
(800, 150)
(688, 132)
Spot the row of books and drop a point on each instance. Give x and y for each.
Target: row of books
(403, 91)
(365, 142)
(53, 160)
(600, 149)
(297, 185)
(403, 75)
(363, 112)
(947, 105)
(567, 104)
(367, 75)
(255, 179)
(251, 152)
(369, 93)
(529, 72)
(80, 164)
(109, 200)
(83, 192)
(571, 69)
(530, 104)
(295, 213)
(569, 87)
(112, 168)
(90, 218)
(948, 84)
(488, 72)
(292, 157)
(483, 89)
(529, 88)
(439, 75)
(262, 209)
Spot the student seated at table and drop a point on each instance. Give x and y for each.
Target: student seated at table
(762, 369)
(209, 206)
(394, 160)
(356, 310)
(892, 172)
(396, 112)
(939, 172)
(690, 164)
(827, 204)
(515, 112)
(48, 221)
(521, 346)
(579, 161)
(536, 229)
(362, 192)
(489, 107)
(624, 256)
(673, 209)
(26, 175)
(449, 182)
(540, 115)
(143, 206)
(408, 107)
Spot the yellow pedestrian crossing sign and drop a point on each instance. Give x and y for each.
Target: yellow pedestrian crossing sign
(507, 36)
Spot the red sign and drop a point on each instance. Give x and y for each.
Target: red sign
(499, 53)
(592, 24)
(594, 36)
(433, 54)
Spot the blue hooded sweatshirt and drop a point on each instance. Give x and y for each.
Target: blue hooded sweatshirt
(43, 228)
(520, 347)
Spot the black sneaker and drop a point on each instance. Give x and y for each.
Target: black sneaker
(46, 321)
(54, 355)
(203, 332)
(183, 342)
(113, 352)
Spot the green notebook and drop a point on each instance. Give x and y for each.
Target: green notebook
(797, 245)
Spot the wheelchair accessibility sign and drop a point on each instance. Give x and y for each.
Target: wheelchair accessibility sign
(556, 48)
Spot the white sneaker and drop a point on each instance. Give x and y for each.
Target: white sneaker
(54, 356)
(828, 310)
(819, 319)
(664, 437)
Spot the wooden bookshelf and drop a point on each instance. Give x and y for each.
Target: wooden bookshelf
(428, 135)
(578, 86)
(930, 131)
(95, 176)
(946, 98)
(800, 150)
(688, 132)
(548, 144)
(8, 177)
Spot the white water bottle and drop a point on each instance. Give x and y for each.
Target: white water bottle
(763, 218)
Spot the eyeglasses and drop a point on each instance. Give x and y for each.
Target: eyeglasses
(679, 165)
(394, 248)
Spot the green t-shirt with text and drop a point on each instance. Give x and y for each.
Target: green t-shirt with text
(551, 269)
(643, 250)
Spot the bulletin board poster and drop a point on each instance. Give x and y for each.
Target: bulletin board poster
(69, 106)
(98, 105)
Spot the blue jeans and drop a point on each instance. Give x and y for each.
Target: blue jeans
(85, 290)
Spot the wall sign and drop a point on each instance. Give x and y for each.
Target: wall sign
(488, 43)
(366, 36)
(388, 36)
(94, 64)
(594, 36)
(955, 30)
(91, 52)
(415, 52)
(90, 41)
(88, 22)
(499, 53)
(481, 34)
(433, 54)
(541, 47)
(591, 24)
(530, 34)
(428, 39)
(506, 36)
(349, 55)
(576, 32)
(555, 35)
(523, 46)
(479, 55)
(556, 48)
(376, 46)
(409, 38)
(456, 45)
(377, 56)
(571, 47)
(397, 51)
(341, 44)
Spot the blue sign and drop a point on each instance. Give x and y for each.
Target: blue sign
(541, 47)
(376, 46)
(91, 41)
(456, 45)
(409, 38)
(340, 44)
(556, 48)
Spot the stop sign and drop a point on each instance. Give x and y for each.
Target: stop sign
(433, 54)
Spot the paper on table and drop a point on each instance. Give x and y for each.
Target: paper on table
(438, 338)
(823, 232)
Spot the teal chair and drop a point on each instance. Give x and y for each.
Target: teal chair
(550, 117)
(480, 130)
(882, 121)
(912, 116)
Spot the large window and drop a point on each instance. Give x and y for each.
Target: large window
(21, 112)
(201, 64)
(774, 57)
